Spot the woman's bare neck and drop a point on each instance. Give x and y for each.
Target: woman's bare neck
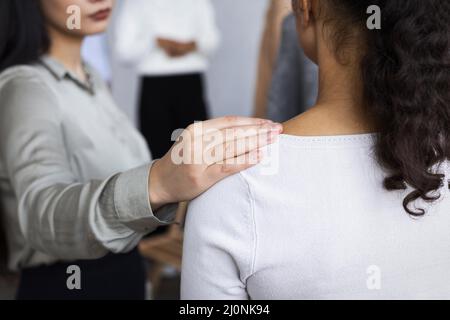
(339, 109)
(67, 50)
(328, 120)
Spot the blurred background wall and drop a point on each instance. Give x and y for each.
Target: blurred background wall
(232, 74)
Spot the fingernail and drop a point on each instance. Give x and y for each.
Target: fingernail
(276, 127)
(267, 127)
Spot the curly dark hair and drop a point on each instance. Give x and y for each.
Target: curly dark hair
(405, 70)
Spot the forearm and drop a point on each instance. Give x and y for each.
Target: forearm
(87, 221)
(264, 77)
(268, 54)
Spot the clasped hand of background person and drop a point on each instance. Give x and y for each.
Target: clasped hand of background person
(172, 181)
(176, 48)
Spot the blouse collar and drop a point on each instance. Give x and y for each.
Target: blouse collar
(60, 72)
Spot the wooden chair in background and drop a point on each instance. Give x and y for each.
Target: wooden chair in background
(165, 249)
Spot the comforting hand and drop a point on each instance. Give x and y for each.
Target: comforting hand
(176, 48)
(207, 152)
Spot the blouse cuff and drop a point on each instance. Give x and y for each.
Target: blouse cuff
(132, 202)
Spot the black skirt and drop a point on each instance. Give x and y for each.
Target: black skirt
(113, 277)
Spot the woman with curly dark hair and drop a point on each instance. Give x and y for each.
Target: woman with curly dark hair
(359, 204)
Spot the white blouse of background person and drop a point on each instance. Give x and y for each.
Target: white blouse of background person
(141, 22)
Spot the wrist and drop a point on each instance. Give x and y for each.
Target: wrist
(158, 196)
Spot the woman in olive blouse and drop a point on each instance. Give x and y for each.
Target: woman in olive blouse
(76, 179)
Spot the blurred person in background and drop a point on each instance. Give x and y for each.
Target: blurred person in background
(294, 83)
(287, 80)
(169, 42)
(270, 43)
(78, 186)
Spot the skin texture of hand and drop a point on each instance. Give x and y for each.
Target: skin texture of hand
(238, 149)
(176, 49)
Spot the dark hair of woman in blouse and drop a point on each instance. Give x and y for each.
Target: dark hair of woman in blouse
(23, 39)
(406, 79)
(23, 36)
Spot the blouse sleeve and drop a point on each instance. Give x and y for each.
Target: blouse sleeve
(58, 214)
(219, 244)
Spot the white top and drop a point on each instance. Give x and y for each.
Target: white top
(141, 22)
(321, 226)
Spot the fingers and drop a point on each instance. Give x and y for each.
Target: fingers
(245, 161)
(232, 121)
(240, 144)
(217, 146)
(234, 133)
(219, 137)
